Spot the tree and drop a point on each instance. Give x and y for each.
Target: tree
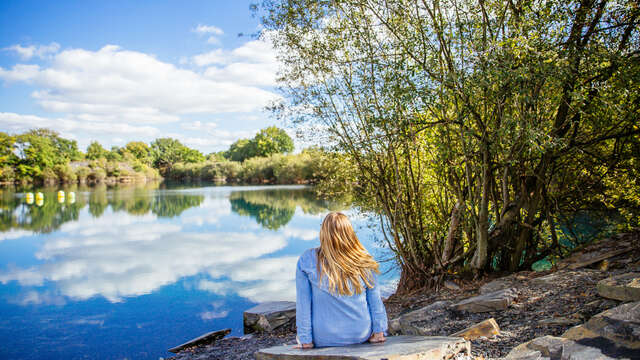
(140, 151)
(240, 150)
(272, 140)
(472, 124)
(268, 141)
(166, 152)
(96, 151)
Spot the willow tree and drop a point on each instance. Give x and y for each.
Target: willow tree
(471, 122)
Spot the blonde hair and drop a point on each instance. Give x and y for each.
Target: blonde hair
(342, 258)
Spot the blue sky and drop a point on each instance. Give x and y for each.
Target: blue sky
(117, 71)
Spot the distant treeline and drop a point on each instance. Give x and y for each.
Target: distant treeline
(42, 156)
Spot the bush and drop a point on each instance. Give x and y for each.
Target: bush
(97, 175)
(49, 176)
(65, 173)
(82, 173)
(7, 174)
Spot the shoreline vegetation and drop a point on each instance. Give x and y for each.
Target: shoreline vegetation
(43, 157)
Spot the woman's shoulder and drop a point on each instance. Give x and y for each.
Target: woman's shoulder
(308, 258)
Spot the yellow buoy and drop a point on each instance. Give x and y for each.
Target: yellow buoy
(29, 198)
(40, 196)
(72, 197)
(39, 201)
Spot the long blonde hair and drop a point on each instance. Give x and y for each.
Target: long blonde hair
(342, 258)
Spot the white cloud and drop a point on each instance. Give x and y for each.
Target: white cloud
(211, 315)
(119, 255)
(69, 127)
(113, 82)
(41, 51)
(254, 63)
(302, 234)
(15, 234)
(210, 30)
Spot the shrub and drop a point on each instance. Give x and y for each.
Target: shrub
(82, 173)
(97, 175)
(65, 173)
(7, 174)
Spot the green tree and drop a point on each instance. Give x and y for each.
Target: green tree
(272, 140)
(240, 150)
(140, 150)
(166, 152)
(472, 124)
(96, 151)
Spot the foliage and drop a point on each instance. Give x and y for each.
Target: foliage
(166, 152)
(474, 126)
(96, 151)
(268, 141)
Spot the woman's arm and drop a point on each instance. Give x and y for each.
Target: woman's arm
(377, 310)
(303, 307)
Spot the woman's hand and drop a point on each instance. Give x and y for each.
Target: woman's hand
(304, 346)
(377, 337)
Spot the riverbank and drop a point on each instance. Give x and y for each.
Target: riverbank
(542, 303)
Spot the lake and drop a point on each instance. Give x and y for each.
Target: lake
(128, 272)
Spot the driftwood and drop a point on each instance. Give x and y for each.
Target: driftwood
(200, 340)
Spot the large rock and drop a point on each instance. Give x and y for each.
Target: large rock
(625, 287)
(497, 300)
(511, 281)
(207, 338)
(396, 348)
(424, 321)
(555, 348)
(487, 328)
(620, 325)
(616, 332)
(269, 316)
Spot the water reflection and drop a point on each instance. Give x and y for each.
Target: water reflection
(207, 253)
(124, 250)
(17, 212)
(274, 208)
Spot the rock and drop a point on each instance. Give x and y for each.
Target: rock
(396, 347)
(620, 325)
(555, 348)
(625, 287)
(269, 316)
(615, 331)
(559, 321)
(486, 328)
(423, 321)
(497, 300)
(511, 281)
(527, 355)
(451, 285)
(586, 258)
(201, 340)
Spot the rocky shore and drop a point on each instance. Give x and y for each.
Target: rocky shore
(569, 301)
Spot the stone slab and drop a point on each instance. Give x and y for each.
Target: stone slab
(423, 321)
(551, 347)
(497, 300)
(201, 340)
(268, 316)
(487, 328)
(396, 348)
(620, 325)
(625, 287)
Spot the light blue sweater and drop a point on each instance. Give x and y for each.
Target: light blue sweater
(328, 320)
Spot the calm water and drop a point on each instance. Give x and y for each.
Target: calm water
(130, 272)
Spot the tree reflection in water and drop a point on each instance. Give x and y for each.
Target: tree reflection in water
(274, 208)
(136, 199)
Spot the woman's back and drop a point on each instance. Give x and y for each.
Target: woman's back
(334, 320)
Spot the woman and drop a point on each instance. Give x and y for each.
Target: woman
(337, 296)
